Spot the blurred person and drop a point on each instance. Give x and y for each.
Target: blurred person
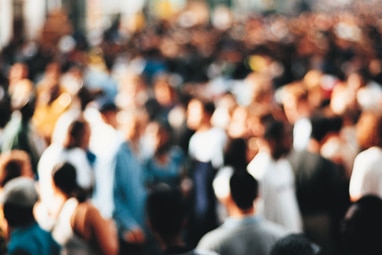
(132, 92)
(25, 236)
(167, 164)
(104, 141)
(72, 150)
(13, 164)
(129, 191)
(361, 228)
(244, 231)
(20, 132)
(167, 214)
(295, 244)
(164, 99)
(278, 202)
(206, 151)
(17, 72)
(297, 108)
(321, 188)
(78, 226)
(52, 101)
(365, 177)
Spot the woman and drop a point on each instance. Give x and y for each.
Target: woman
(78, 225)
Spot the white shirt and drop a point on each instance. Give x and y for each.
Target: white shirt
(208, 146)
(277, 199)
(366, 176)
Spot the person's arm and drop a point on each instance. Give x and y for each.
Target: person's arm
(88, 223)
(128, 226)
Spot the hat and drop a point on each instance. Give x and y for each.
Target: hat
(20, 191)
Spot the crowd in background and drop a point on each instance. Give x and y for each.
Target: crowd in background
(294, 101)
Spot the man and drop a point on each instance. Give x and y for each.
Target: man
(243, 232)
(25, 235)
(321, 188)
(270, 167)
(206, 150)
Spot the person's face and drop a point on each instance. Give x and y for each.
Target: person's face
(194, 114)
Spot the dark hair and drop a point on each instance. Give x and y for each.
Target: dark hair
(18, 216)
(294, 244)
(362, 227)
(244, 189)
(166, 210)
(65, 179)
(236, 153)
(277, 135)
(76, 133)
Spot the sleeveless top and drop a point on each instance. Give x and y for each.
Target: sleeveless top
(63, 233)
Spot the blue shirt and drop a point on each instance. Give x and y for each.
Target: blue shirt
(33, 240)
(128, 190)
(168, 173)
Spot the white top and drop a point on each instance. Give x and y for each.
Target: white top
(301, 133)
(63, 233)
(277, 198)
(104, 142)
(208, 146)
(367, 173)
(53, 155)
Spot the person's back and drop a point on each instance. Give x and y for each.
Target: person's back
(79, 226)
(25, 235)
(243, 232)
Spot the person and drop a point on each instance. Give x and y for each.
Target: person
(78, 226)
(271, 168)
(20, 132)
(321, 188)
(362, 225)
(129, 192)
(244, 231)
(167, 163)
(167, 212)
(13, 164)
(104, 141)
(297, 108)
(25, 234)
(73, 150)
(295, 244)
(366, 173)
(206, 151)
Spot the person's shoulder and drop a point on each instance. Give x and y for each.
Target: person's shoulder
(271, 228)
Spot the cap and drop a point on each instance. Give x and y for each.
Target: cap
(20, 191)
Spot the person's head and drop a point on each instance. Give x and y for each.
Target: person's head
(159, 133)
(109, 112)
(362, 227)
(244, 189)
(369, 130)
(199, 112)
(278, 135)
(13, 164)
(18, 199)
(295, 100)
(78, 135)
(294, 244)
(64, 178)
(166, 211)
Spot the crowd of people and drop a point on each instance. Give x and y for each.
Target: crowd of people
(256, 135)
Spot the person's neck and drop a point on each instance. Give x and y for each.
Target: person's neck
(204, 127)
(238, 213)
